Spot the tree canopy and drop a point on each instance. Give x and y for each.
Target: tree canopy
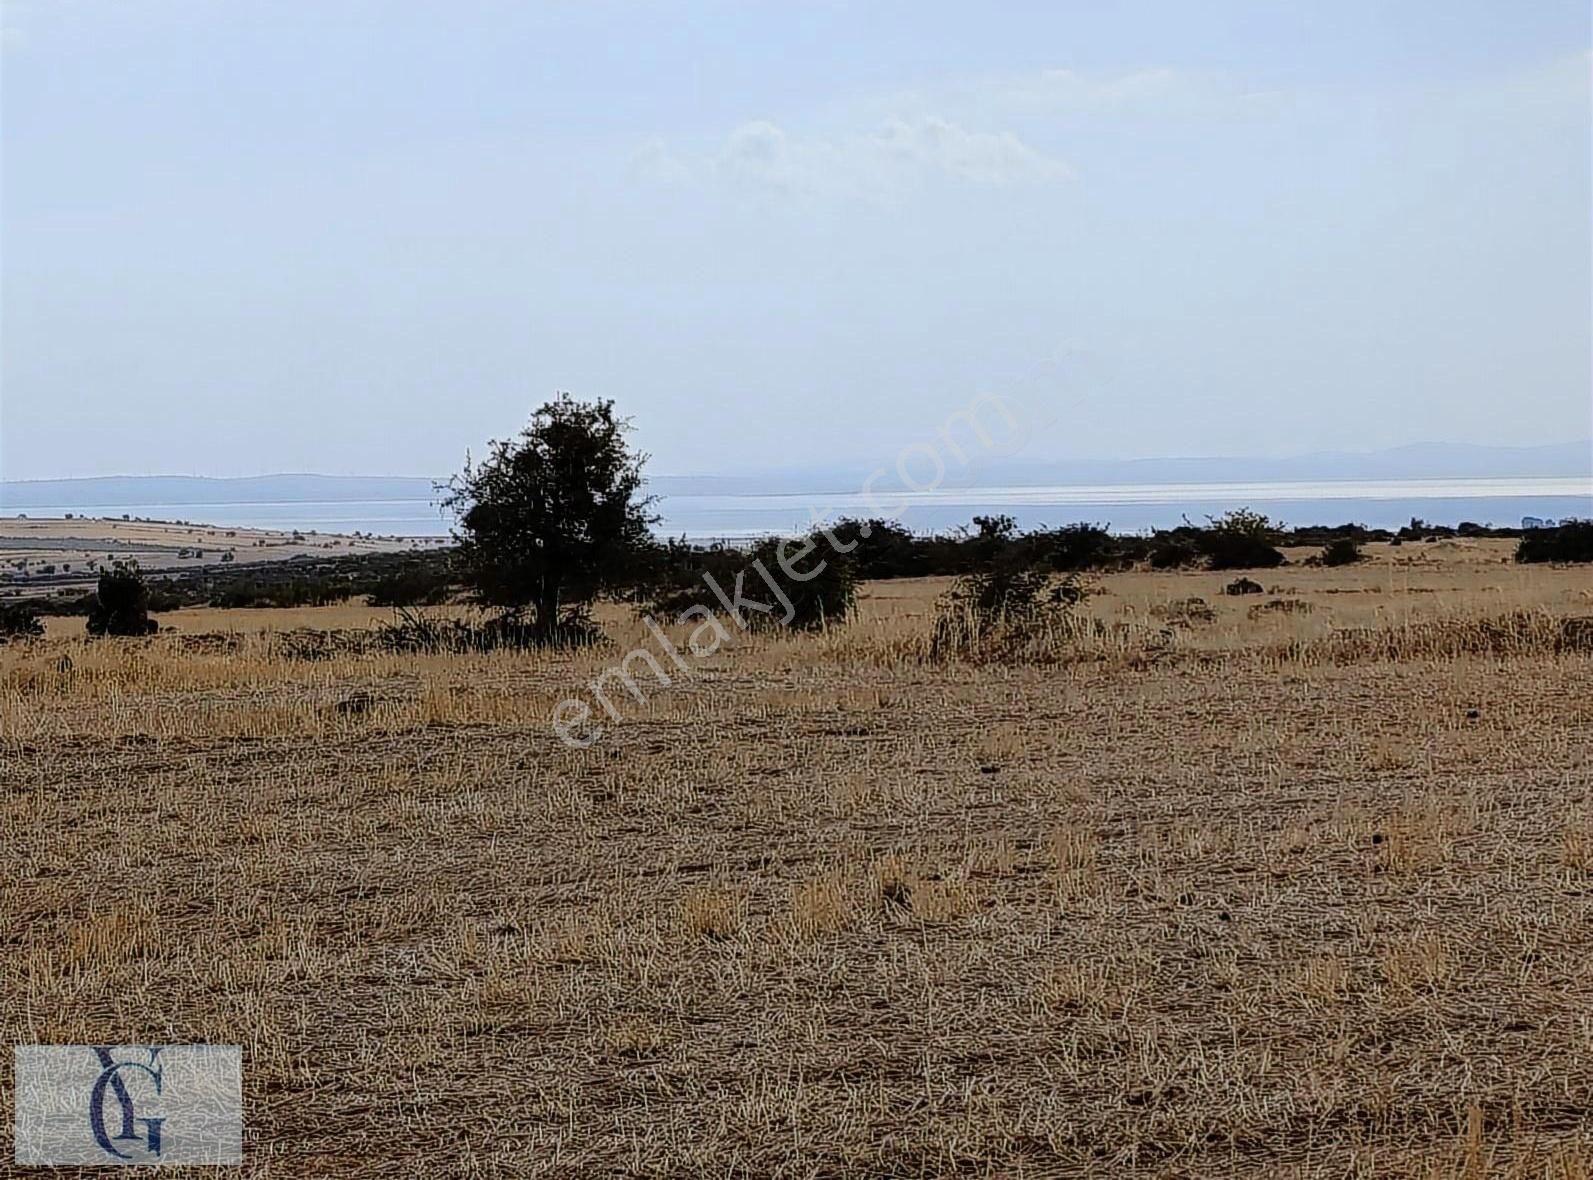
(554, 517)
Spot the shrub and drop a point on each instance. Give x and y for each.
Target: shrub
(1242, 586)
(1169, 552)
(819, 583)
(121, 605)
(414, 587)
(881, 548)
(1283, 606)
(164, 596)
(1082, 547)
(1319, 535)
(1572, 541)
(414, 630)
(19, 620)
(1003, 613)
(826, 593)
(288, 592)
(1342, 551)
(1238, 540)
(1226, 552)
(1188, 611)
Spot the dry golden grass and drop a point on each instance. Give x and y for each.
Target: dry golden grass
(1275, 897)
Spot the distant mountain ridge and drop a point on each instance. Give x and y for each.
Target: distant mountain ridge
(114, 490)
(1420, 461)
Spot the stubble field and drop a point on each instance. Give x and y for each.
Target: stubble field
(1287, 890)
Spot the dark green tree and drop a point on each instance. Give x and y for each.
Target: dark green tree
(553, 518)
(19, 620)
(121, 604)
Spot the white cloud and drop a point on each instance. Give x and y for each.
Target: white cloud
(884, 164)
(655, 163)
(980, 156)
(972, 131)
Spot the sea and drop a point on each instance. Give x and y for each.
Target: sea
(1123, 508)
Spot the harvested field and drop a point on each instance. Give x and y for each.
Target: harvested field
(1308, 893)
(44, 554)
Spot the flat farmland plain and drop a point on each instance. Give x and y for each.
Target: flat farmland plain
(1226, 888)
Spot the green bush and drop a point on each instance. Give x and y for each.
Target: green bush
(19, 620)
(412, 587)
(1003, 612)
(819, 583)
(414, 630)
(289, 592)
(1239, 540)
(1171, 552)
(1572, 541)
(881, 549)
(121, 605)
(1082, 547)
(1342, 551)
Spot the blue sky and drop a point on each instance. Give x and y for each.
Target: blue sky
(362, 238)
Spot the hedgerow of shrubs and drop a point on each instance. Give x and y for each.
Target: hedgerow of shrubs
(19, 620)
(296, 592)
(413, 629)
(1572, 541)
(410, 587)
(805, 583)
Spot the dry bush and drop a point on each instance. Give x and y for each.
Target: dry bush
(1187, 611)
(1280, 606)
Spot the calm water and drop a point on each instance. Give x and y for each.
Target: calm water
(1124, 507)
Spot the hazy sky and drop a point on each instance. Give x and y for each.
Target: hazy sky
(334, 236)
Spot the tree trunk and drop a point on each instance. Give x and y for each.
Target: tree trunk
(546, 623)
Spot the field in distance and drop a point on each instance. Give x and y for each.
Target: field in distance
(1297, 883)
(56, 552)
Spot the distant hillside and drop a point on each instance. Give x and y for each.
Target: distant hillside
(1422, 461)
(115, 490)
